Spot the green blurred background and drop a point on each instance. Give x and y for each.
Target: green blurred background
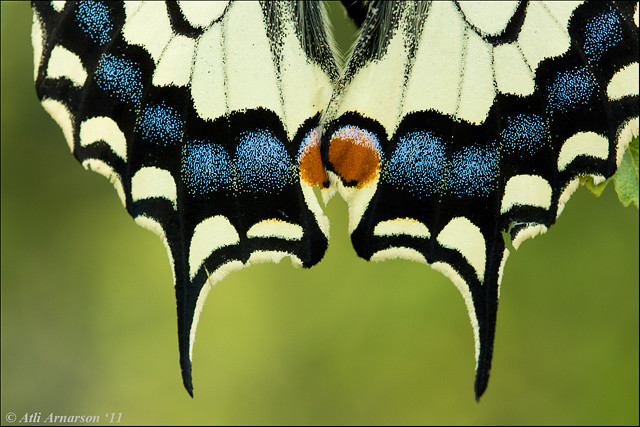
(89, 322)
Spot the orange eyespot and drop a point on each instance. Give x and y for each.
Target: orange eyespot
(355, 155)
(310, 161)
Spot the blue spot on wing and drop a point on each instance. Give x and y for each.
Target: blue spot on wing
(159, 124)
(472, 171)
(206, 167)
(417, 164)
(95, 21)
(119, 77)
(523, 135)
(569, 89)
(262, 162)
(601, 34)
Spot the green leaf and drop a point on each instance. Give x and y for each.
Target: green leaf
(626, 178)
(596, 189)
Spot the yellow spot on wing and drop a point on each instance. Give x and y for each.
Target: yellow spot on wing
(401, 226)
(276, 228)
(210, 235)
(462, 235)
(528, 190)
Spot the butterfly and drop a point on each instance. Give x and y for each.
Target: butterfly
(455, 129)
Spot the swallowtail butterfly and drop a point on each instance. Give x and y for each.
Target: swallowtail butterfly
(451, 124)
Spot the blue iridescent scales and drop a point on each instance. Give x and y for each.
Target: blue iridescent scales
(215, 121)
(95, 20)
(261, 164)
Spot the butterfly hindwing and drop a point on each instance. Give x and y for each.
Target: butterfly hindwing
(204, 116)
(454, 123)
(454, 128)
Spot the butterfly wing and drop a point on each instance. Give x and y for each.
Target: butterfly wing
(456, 123)
(203, 115)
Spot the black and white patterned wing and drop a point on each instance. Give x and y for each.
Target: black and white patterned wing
(456, 122)
(204, 117)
